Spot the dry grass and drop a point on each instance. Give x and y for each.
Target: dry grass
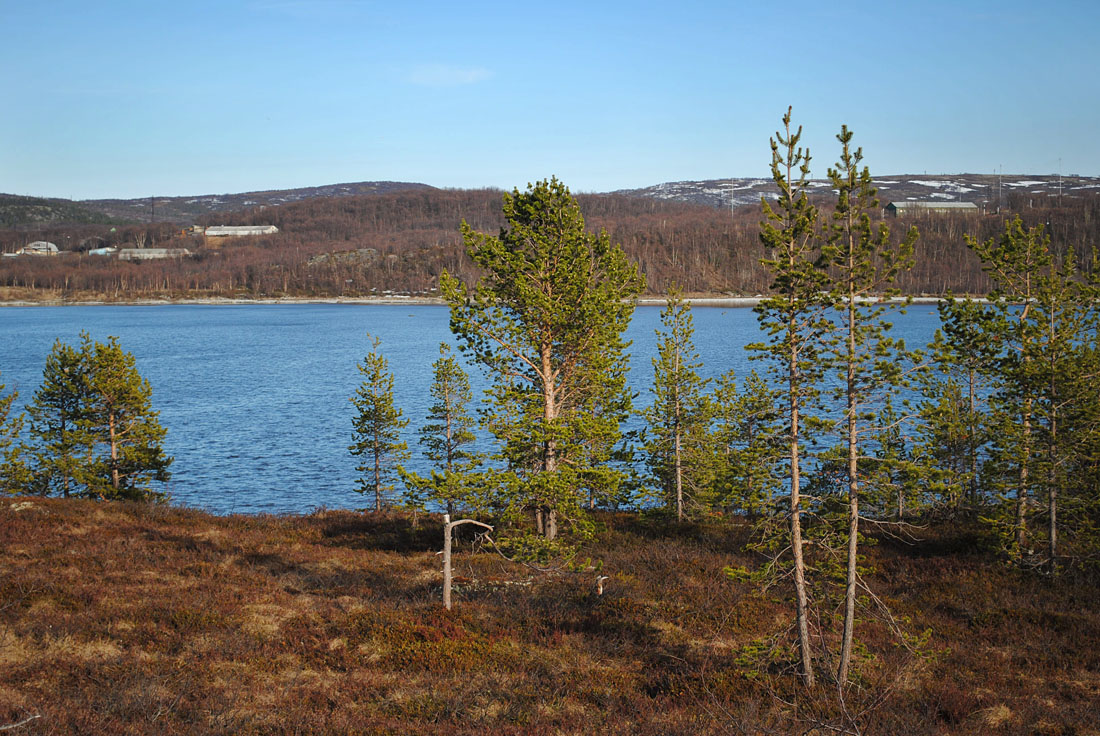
(121, 618)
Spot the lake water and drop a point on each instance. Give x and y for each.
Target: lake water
(255, 398)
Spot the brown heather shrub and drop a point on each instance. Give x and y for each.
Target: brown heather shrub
(137, 619)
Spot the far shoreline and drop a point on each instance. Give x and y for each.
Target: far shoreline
(721, 302)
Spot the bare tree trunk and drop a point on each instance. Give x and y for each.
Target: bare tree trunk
(1052, 487)
(448, 577)
(676, 448)
(377, 473)
(801, 598)
(111, 420)
(853, 505)
(1025, 459)
(549, 523)
(1021, 493)
(973, 442)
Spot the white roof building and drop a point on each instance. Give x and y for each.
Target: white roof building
(39, 248)
(151, 254)
(236, 231)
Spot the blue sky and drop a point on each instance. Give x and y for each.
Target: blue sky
(129, 99)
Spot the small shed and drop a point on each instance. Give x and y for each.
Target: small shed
(916, 208)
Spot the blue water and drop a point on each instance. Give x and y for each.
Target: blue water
(255, 398)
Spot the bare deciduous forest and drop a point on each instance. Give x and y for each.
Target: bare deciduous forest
(401, 242)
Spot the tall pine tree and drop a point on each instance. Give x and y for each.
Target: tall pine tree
(794, 319)
(864, 263)
(546, 322)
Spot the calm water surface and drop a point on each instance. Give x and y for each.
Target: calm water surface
(255, 397)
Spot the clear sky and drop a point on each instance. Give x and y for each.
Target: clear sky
(142, 98)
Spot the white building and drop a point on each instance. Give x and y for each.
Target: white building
(237, 231)
(151, 254)
(38, 248)
(916, 208)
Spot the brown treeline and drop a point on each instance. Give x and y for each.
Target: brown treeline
(401, 242)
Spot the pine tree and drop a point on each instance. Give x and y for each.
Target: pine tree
(954, 415)
(377, 429)
(865, 264)
(894, 479)
(1062, 379)
(447, 439)
(125, 432)
(546, 322)
(1038, 330)
(62, 443)
(794, 319)
(749, 444)
(15, 477)
(678, 420)
(1014, 263)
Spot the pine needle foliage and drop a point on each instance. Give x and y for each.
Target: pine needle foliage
(377, 430)
(677, 444)
(545, 321)
(447, 440)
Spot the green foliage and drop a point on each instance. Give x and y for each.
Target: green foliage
(446, 439)
(1034, 345)
(94, 431)
(58, 413)
(15, 476)
(546, 322)
(124, 431)
(794, 319)
(678, 448)
(954, 426)
(864, 264)
(748, 436)
(377, 429)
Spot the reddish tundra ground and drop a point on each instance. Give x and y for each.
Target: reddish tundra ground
(145, 619)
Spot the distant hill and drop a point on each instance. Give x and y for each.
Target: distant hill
(18, 211)
(189, 209)
(982, 189)
(977, 188)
